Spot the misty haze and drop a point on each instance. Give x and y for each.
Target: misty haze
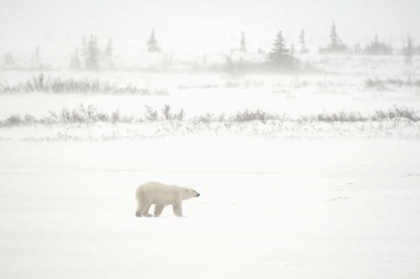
(292, 126)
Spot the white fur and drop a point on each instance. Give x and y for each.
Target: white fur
(161, 195)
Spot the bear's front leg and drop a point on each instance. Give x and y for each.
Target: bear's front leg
(146, 213)
(178, 209)
(158, 210)
(143, 209)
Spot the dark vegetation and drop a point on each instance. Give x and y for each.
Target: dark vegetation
(90, 115)
(57, 85)
(384, 84)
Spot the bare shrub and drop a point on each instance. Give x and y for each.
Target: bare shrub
(85, 115)
(396, 82)
(341, 116)
(206, 118)
(29, 119)
(407, 113)
(166, 112)
(403, 112)
(151, 115)
(249, 115)
(65, 116)
(58, 85)
(115, 117)
(375, 84)
(13, 120)
(169, 115)
(100, 116)
(80, 114)
(180, 115)
(51, 119)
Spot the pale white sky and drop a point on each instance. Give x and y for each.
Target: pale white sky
(200, 25)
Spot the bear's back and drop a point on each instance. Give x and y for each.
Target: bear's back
(158, 193)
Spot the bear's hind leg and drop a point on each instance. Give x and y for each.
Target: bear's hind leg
(158, 210)
(146, 211)
(138, 208)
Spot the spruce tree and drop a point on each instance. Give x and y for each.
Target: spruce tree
(37, 56)
(302, 42)
(279, 56)
(84, 49)
(108, 54)
(334, 37)
(243, 43)
(279, 48)
(75, 60)
(335, 46)
(377, 48)
(8, 59)
(36, 59)
(408, 50)
(152, 44)
(92, 58)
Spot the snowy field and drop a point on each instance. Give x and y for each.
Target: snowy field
(283, 198)
(268, 209)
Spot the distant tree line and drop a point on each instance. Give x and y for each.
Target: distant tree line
(35, 60)
(89, 56)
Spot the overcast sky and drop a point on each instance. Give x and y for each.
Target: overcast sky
(201, 25)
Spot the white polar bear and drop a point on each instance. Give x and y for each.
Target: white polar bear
(161, 195)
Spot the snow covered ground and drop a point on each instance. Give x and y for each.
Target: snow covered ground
(268, 209)
(278, 199)
(199, 94)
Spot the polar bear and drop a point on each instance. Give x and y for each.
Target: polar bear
(161, 195)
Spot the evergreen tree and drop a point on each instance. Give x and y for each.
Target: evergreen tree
(279, 56)
(75, 60)
(376, 48)
(408, 50)
(8, 59)
(357, 49)
(92, 57)
(302, 42)
(84, 49)
(108, 55)
(36, 59)
(152, 44)
(334, 37)
(335, 46)
(37, 56)
(243, 43)
(279, 48)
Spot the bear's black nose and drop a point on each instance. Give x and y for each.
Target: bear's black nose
(198, 194)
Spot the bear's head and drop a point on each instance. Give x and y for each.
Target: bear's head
(188, 193)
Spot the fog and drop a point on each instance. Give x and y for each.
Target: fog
(298, 122)
(206, 26)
